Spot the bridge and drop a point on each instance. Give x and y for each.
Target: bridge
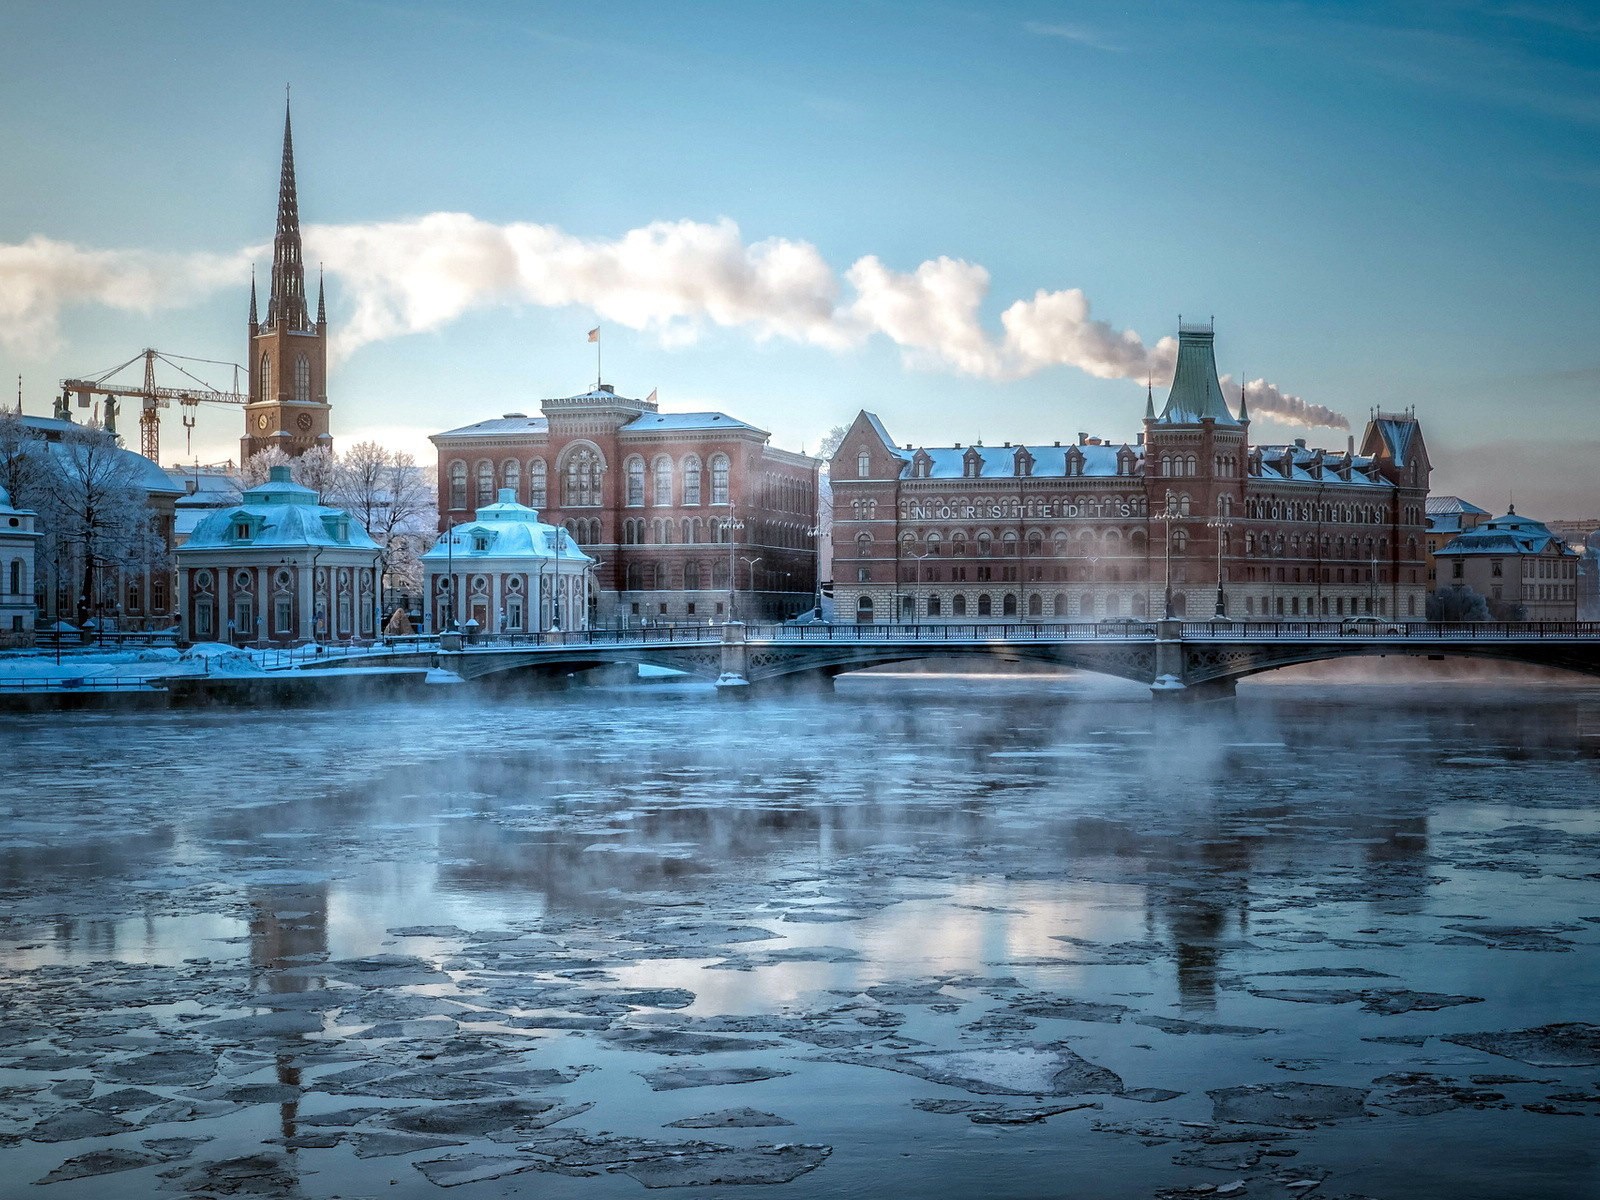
(1175, 659)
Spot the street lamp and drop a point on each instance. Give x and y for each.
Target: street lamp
(750, 569)
(1372, 586)
(814, 532)
(450, 577)
(1167, 517)
(1221, 525)
(730, 526)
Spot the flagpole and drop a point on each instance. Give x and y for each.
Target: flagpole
(599, 376)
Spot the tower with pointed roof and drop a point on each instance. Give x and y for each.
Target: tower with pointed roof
(288, 356)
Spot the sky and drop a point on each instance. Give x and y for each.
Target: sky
(981, 222)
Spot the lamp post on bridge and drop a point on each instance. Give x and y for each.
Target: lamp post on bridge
(731, 526)
(1167, 516)
(918, 569)
(1221, 525)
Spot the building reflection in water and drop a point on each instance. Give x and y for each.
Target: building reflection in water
(288, 928)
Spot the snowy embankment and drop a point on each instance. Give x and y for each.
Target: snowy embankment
(121, 669)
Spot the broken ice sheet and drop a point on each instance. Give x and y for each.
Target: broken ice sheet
(1050, 1069)
(100, 1162)
(674, 1078)
(1569, 1044)
(1288, 1105)
(994, 1112)
(730, 1118)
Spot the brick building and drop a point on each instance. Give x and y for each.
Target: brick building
(1092, 529)
(690, 516)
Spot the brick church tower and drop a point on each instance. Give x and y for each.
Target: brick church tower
(288, 357)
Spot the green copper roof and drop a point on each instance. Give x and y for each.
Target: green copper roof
(1196, 391)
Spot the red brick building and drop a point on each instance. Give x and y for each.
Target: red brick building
(1093, 528)
(691, 516)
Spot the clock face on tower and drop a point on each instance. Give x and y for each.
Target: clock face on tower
(304, 421)
(261, 421)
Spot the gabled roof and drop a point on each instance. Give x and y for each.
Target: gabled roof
(510, 423)
(1453, 504)
(1196, 393)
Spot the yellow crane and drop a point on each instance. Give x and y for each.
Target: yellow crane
(152, 398)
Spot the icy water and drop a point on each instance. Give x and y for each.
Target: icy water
(922, 938)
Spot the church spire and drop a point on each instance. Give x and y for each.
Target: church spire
(255, 323)
(287, 303)
(322, 303)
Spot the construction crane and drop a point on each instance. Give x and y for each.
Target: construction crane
(152, 398)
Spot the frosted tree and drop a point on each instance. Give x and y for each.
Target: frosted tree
(99, 520)
(257, 468)
(23, 461)
(385, 490)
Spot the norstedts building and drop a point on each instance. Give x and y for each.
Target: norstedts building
(1092, 529)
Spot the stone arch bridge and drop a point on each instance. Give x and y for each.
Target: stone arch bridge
(1175, 659)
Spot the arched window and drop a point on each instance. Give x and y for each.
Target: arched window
(511, 476)
(958, 605)
(1086, 605)
(580, 478)
(719, 573)
(302, 378)
(985, 544)
(1180, 541)
(934, 607)
(1060, 606)
(485, 482)
(864, 610)
(265, 377)
(1036, 605)
(537, 483)
(984, 605)
(634, 470)
(458, 485)
(691, 576)
(719, 479)
(864, 464)
(691, 480)
(661, 481)
(1008, 605)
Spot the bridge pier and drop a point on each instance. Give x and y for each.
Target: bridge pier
(734, 681)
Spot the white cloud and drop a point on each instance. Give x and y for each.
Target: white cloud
(673, 279)
(40, 277)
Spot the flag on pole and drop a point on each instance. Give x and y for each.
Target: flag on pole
(651, 398)
(594, 334)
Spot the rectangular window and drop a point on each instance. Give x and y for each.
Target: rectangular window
(1457, 569)
(1496, 568)
(283, 615)
(689, 608)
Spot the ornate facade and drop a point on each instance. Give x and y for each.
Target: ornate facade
(18, 606)
(1095, 529)
(690, 516)
(505, 571)
(288, 354)
(278, 567)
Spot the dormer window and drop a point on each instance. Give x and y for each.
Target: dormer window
(480, 542)
(241, 531)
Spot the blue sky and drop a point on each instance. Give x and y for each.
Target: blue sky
(1379, 209)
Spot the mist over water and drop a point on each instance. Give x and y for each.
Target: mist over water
(977, 936)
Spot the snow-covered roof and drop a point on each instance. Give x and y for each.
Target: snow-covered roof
(1196, 393)
(949, 462)
(280, 514)
(1510, 534)
(510, 423)
(1295, 463)
(146, 474)
(686, 422)
(1453, 504)
(1396, 433)
(883, 434)
(506, 529)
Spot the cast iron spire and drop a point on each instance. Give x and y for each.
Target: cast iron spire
(287, 303)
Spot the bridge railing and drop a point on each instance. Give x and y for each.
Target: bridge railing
(1384, 630)
(980, 631)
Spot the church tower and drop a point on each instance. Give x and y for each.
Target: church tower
(288, 357)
